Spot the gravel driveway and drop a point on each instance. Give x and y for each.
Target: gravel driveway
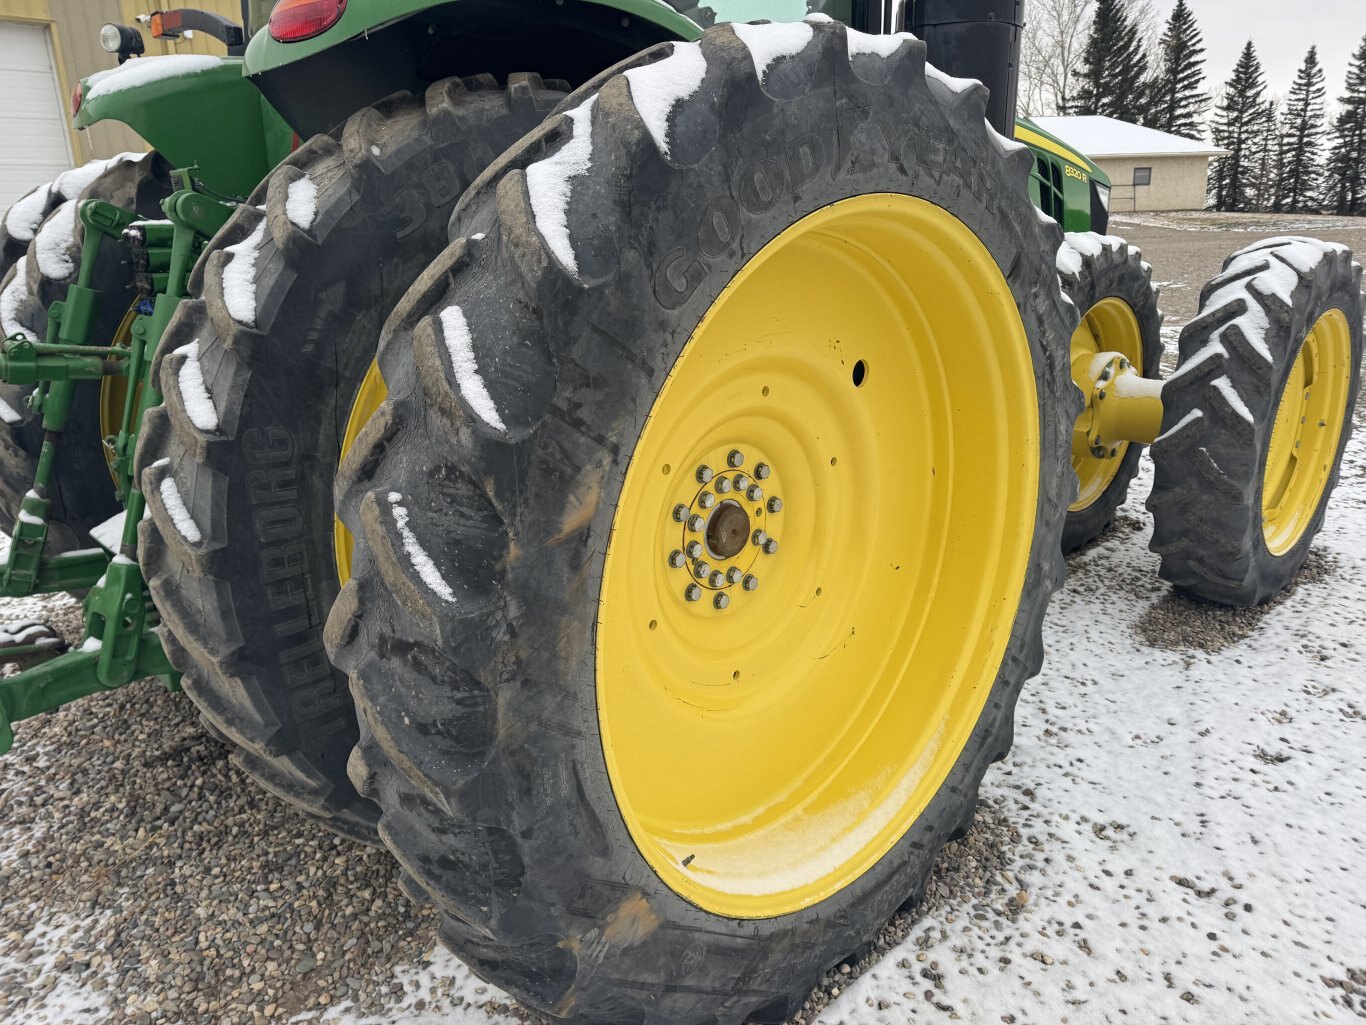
(1177, 836)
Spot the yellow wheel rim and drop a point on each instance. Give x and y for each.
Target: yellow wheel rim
(1108, 326)
(1304, 438)
(369, 396)
(871, 368)
(114, 394)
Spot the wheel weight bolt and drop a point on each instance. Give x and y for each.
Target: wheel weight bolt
(693, 593)
(721, 601)
(755, 493)
(677, 559)
(751, 582)
(694, 549)
(775, 504)
(762, 471)
(733, 574)
(770, 546)
(735, 458)
(680, 513)
(759, 538)
(696, 522)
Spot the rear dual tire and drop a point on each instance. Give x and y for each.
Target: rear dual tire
(495, 494)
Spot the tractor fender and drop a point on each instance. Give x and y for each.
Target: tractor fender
(196, 111)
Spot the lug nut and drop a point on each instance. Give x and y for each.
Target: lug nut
(704, 474)
(733, 574)
(755, 493)
(701, 571)
(722, 484)
(680, 512)
(692, 592)
(706, 500)
(696, 522)
(770, 546)
(677, 559)
(718, 579)
(721, 601)
(759, 538)
(762, 471)
(751, 582)
(775, 504)
(735, 458)
(694, 549)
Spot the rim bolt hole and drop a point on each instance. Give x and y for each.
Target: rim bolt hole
(860, 373)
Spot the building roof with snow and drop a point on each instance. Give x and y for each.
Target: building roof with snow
(1099, 137)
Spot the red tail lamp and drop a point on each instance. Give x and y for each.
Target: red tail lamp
(293, 20)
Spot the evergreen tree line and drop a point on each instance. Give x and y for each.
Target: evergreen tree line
(1283, 156)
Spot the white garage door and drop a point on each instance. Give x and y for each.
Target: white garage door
(34, 145)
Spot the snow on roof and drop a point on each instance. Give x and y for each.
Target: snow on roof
(1098, 136)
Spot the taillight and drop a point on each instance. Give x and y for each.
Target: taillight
(76, 96)
(292, 20)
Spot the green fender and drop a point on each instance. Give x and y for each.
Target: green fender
(196, 111)
(361, 16)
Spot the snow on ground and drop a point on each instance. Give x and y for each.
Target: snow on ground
(1186, 812)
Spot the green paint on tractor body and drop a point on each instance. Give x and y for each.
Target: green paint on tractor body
(227, 123)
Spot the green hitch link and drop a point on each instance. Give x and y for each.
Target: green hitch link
(24, 362)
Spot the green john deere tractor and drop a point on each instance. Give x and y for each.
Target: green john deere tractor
(621, 461)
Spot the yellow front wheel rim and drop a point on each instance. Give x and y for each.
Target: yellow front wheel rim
(369, 397)
(1108, 326)
(114, 395)
(868, 369)
(1304, 439)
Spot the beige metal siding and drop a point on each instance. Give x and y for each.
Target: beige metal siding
(1178, 182)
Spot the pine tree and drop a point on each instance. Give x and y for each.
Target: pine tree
(1265, 173)
(1241, 123)
(1112, 79)
(1346, 185)
(1176, 102)
(1299, 175)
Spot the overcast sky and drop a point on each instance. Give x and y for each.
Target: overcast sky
(1282, 32)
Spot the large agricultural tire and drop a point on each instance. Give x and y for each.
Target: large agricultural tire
(1112, 288)
(257, 384)
(502, 616)
(81, 490)
(1255, 419)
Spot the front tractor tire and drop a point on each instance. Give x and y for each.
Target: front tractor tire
(258, 375)
(1255, 420)
(1112, 289)
(705, 535)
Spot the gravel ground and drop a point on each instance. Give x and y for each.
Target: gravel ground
(1177, 835)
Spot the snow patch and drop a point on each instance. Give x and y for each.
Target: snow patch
(659, 87)
(875, 43)
(239, 277)
(9, 414)
(955, 85)
(109, 534)
(56, 243)
(1210, 350)
(22, 219)
(1235, 400)
(422, 562)
(548, 184)
(180, 515)
(146, 70)
(768, 43)
(14, 296)
(1069, 260)
(92, 644)
(1003, 143)
(30, 631)
(193, 392)
(75, 181)
(460, 344)
(301, 203)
